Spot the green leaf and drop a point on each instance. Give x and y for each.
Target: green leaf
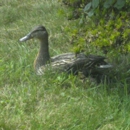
(87, 7)
(119, 4)
(95, 3)
(81, 21)
(108, 3)
(91, 13)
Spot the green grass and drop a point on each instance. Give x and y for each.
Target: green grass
(31, 102)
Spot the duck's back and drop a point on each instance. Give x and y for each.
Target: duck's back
(71, 63)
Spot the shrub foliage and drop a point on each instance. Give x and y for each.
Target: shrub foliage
(103, 24)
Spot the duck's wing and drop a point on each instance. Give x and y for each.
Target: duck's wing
(62, 64)
(71, 63)
(88, 63)
(64, 61)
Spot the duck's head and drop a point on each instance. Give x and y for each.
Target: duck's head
(38, 32)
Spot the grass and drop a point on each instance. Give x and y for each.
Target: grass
(31, 102)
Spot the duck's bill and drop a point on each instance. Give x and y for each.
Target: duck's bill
(25, 38)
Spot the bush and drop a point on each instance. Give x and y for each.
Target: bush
(103, 24)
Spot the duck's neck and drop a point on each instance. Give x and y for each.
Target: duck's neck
(43, 56)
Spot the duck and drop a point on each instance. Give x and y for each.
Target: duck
(66, 62)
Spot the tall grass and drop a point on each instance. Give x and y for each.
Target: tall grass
(31, 102)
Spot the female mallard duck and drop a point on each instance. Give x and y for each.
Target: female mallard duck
(67, 62)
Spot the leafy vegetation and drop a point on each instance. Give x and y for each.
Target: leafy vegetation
(108, 22)
(28, 101)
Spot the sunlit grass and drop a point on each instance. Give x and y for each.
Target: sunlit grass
(50, 102)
